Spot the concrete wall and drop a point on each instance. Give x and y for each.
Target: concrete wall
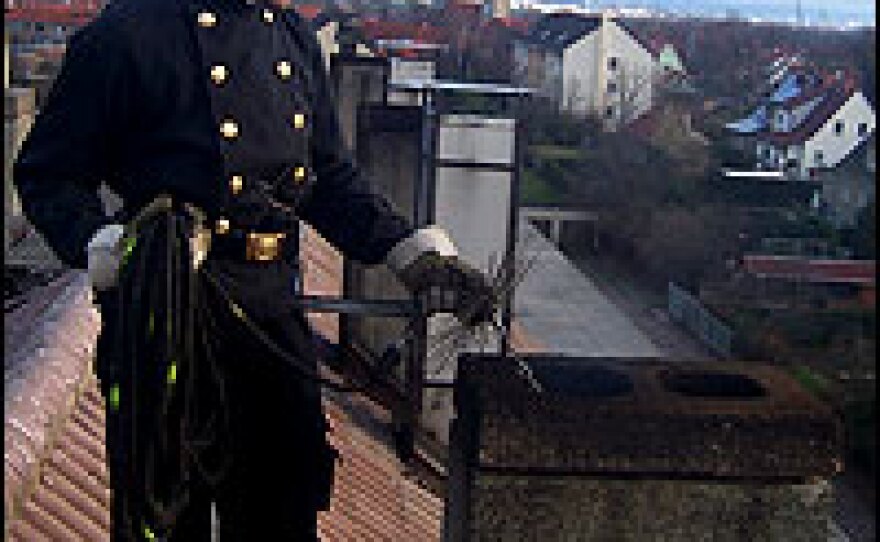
(580, 72)
(358, 82)
(409, 70)
(583, 509)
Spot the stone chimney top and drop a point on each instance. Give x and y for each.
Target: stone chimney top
(675, 441)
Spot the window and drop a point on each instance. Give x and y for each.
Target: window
(863, 129)
(612, 87)
(609, 112)
(612, 63)
(838, 127)
(819, 157)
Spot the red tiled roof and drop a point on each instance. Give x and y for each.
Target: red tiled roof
(53, 13)
(512, 23)
(56, 480)
(835, 98)
(392, 30)
(812, 270)
(48, 439)
(308, 11)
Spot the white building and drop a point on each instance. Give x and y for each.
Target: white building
(809, 127)
(808, 123)
(589, 65)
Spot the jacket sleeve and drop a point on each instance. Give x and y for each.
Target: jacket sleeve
(67, 152)
(341, 206)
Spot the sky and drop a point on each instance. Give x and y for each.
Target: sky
(833, 12)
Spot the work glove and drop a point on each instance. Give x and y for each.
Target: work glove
(105, 251)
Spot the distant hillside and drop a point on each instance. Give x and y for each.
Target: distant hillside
(725, 56)
(822, 12)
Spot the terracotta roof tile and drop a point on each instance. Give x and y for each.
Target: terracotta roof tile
(811, 270)
(834, 99)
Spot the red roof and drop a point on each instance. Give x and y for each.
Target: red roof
(513, 23)
(835, 98)
(51, 13)
(822, 271)
(390, 30)
(308, 11)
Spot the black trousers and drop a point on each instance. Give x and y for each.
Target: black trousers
(201, 410)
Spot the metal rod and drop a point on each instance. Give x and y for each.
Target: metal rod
(513, 227)
(362, 307)
(485, 166)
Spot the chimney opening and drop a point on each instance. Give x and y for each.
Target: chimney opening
(712, 384)
(583, 381)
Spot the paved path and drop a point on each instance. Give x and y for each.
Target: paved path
(564, 310)
(645, 307)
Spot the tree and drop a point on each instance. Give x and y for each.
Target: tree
(864, 237)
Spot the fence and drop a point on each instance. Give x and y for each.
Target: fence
(686, 310)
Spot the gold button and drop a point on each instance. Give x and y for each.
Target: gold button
(222, 226)
(268, 16)
(207, 19)
(299, 121)
(229, 129)
(219, 73)
(236, 183)
(283, 69)
(299, 174)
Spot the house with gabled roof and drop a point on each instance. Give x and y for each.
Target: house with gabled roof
(589, 64)
(809, 121)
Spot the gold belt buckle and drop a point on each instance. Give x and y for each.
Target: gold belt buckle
(263, 247)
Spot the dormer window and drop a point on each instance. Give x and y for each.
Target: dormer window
(612, 63)
(838, 127)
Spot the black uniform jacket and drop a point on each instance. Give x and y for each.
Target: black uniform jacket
(211, 101)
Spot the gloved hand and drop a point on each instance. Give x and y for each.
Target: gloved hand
(450, 284)
(105, 251)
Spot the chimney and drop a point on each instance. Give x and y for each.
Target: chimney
(550, 448)
(501, 9)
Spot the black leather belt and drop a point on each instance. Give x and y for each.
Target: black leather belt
(227, 243)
